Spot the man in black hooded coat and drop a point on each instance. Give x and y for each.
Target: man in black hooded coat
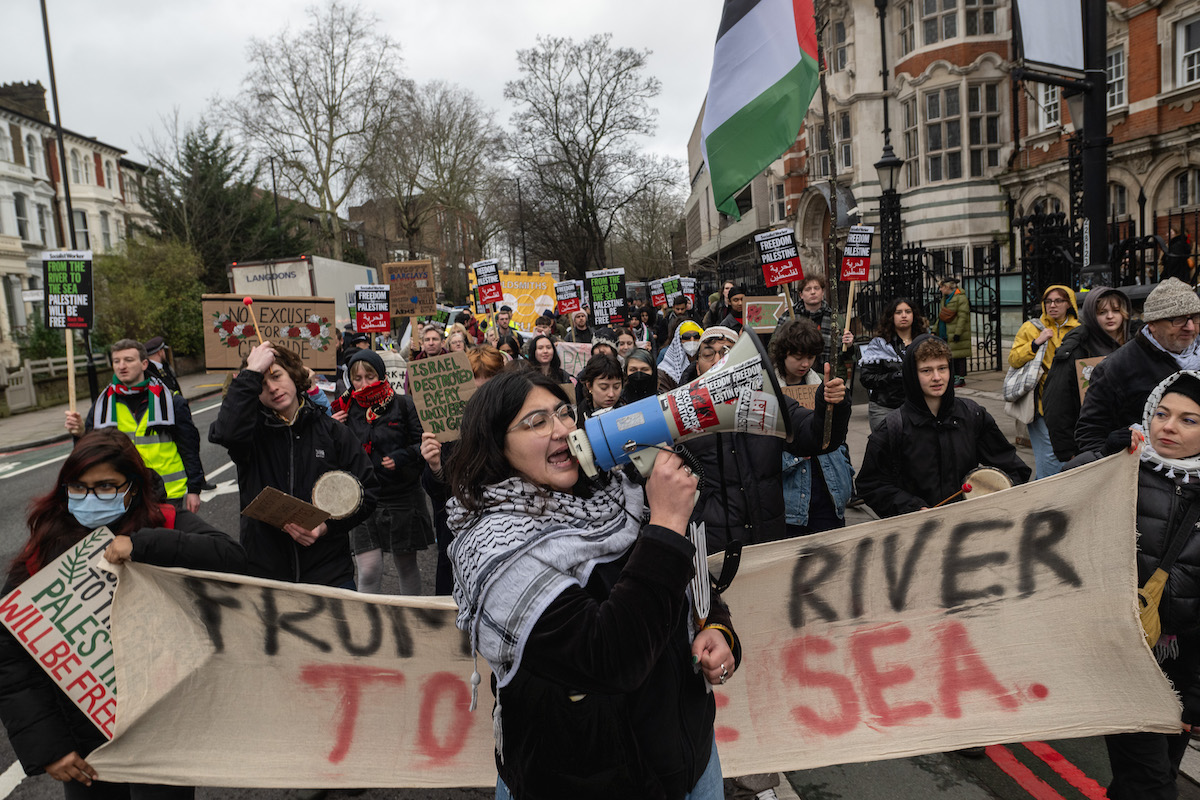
(921, 454)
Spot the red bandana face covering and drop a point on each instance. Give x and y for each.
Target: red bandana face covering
(374, 398)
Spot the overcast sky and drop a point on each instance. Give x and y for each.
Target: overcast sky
(123, 64)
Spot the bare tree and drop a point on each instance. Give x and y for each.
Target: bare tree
(318, 100)
(642, 235)
(582, 109)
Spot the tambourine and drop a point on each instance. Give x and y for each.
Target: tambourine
(337, 493)
(985, 481)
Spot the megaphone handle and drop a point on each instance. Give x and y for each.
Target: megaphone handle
(693, 464)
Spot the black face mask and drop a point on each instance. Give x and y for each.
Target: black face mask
(640, 385)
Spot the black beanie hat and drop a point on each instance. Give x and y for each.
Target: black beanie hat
(373, 360)
(1186, 385)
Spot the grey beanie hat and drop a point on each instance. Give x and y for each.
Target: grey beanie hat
(1171, 298)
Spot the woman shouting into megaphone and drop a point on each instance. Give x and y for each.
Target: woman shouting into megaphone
(576, 594)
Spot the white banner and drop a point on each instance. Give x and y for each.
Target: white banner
(1007, 618)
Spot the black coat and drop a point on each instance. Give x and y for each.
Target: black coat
(1060, 397)
(1118, 390)
(917, 460)
(43, 724)
(884, 380)
(643, 727)
(396, 434)
(268, 452)
(742, 495)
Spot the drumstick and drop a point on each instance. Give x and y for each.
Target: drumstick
(966, 489)
(249, 301)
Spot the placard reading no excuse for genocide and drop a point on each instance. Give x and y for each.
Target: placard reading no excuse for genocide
(67, 276)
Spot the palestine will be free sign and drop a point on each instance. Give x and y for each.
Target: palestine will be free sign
(372, 304)
(778, 257)
(606, 287)
(856, 259)
(67, 276)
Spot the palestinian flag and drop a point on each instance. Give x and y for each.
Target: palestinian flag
(764, 75)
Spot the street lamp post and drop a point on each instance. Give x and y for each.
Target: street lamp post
(894, 283)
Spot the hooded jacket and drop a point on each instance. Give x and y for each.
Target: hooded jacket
(1023, 348)
(1061, 394)
(269, 452)
(957, 332)
(917, 459)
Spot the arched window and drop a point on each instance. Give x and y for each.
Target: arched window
(1118, 201)
(33, 154)
(1047, 205)
(76, 174)
(110, 178)
(5, 146)
(87, 168)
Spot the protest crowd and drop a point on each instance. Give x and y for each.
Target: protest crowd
(575, 588)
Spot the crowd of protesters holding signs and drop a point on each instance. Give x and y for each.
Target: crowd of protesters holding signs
(574, 588)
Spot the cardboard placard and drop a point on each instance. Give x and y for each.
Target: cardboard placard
(487, 281)
(397, 370)
(60, 616)
(778, 256)
(856, 259)
(303, 325)
(1083, 373)
(806, 396)
(411, 283)
(440, 388)
(372, 308)
(762, 314)
(566, 295)
(278, 508)
(606, 287)
(67, 276)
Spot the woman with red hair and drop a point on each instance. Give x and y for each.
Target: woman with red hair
(103, 482)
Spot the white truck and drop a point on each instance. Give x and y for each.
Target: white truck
(303, 276)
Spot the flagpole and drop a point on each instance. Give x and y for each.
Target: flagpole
(831, 273)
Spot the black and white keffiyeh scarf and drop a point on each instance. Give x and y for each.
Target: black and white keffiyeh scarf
(513, 560)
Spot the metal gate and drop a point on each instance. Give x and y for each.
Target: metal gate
(978, 269)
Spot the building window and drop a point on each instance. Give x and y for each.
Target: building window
(821, 160)
(1114, 70)
(120, 231)
(841, 136)
(82, 240)
(1187, 51)
(1047, 205)
(87, 169)
(939, 20)
(110, 177)
(105, 232)
(33, 154)
(779, 204)
(912, 142)
(840, 56)
(943, 135)
(43, 216)
(1117, 204)
(1048, 115)
(981, 17)
(908, 39)
(76, 173)
(22, 209)
(1187, 188)
(983, 120)
(132, 193)
(5, 146)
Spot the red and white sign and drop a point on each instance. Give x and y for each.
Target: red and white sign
(658, 296)
(371, 306)
(689, 290)
(856, 260)
(487, 281)
(778, 256)
(566, 295)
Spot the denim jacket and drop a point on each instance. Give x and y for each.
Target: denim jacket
(797, 476)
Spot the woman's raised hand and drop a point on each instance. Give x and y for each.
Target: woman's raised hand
(671, 492)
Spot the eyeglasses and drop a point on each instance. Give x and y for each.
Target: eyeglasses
(1179, 322)
(688, 337)
(1055, 301)
(105, 491)
(542, 422)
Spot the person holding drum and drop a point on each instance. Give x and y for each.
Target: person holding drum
(922, 453)
(580, 606)
(389, 429)
(277, 437)
(1146, 765)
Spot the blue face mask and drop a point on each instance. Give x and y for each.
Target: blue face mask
(92, 512)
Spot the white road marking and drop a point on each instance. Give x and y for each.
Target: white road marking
(11, 779)
(224, 487)
(208, 407)
(219, 470)
(6, 466)
(32, 467)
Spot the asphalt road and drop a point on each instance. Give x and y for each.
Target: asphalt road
(1066, 770)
